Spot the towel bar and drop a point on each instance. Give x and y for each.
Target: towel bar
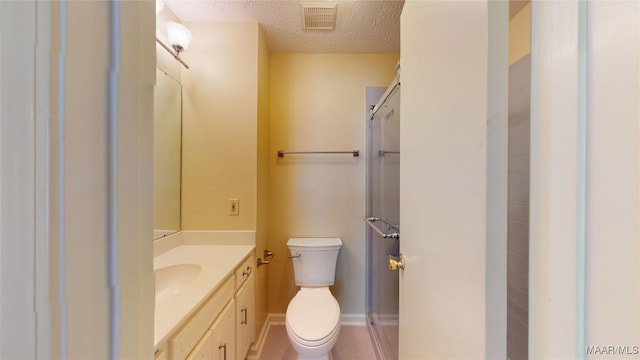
(282, 153)
(394, 235)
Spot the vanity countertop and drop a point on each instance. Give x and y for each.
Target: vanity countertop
(216, 262)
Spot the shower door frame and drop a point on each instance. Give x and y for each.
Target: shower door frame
(379, 96)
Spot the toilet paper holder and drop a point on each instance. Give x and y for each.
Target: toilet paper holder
(268, 256)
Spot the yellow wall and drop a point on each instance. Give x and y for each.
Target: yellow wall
(226, 135)
(520, 34)
(220, 107)
(318, 103)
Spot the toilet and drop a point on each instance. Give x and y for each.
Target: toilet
(313, 315)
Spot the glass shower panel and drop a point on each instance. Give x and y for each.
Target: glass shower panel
(384, 204)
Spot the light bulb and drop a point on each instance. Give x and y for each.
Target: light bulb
(179, 36)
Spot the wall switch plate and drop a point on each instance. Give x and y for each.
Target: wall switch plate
(234, 207)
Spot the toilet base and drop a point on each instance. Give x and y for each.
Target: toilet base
(328, 356)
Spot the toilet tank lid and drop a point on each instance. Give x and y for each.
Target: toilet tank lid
(314, 242)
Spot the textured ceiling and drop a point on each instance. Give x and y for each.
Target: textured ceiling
(364, 26)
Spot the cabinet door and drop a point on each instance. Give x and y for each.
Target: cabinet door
(187, 338)
(204, 349)
(223, 329)
(218, 343)
(245, 317)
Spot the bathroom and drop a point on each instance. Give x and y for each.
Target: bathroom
(289, 102)
(87, 264)
(297, 109)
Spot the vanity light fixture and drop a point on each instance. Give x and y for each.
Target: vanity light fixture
(179, 36)
(179, 39)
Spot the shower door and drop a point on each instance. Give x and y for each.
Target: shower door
(383, 187)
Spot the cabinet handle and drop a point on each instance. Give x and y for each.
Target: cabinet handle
(244, 321)
(247, 272)
(223, 346)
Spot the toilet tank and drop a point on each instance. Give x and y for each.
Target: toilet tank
(316, 264)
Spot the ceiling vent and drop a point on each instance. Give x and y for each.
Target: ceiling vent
(318, 15)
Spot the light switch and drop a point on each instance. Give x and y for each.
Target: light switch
(234, 207)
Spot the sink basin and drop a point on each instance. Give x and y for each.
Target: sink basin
(170, 280)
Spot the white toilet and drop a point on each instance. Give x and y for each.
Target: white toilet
(313, 315)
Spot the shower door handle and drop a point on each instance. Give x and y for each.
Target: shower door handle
(396, 263)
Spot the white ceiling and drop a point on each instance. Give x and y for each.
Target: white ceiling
(364, 26)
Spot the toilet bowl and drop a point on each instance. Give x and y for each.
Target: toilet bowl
(313, 323)
(313, 315)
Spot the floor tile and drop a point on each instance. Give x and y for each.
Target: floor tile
(353, 344)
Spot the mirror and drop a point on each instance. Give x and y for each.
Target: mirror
(167, 143)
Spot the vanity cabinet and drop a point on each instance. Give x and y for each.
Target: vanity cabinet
(185, 339)
(218, 343)
(245, 308)
(161, 353)
(222, 328)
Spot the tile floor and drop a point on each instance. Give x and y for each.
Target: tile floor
(353, 344)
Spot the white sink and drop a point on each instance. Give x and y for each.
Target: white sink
(170, 280)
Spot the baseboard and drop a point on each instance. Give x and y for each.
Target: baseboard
(256, 348)
(353, 319)
(276, 319)
(279, 319)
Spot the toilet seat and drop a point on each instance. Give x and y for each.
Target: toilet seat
(313, 317)
(314, 343)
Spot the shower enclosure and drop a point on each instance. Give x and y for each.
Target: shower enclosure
(383, 220)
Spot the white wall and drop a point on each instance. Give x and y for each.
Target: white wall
(22, 239)
(62, 266)
(613, 174)
(453, 147)
(585, 178)
(135, 174)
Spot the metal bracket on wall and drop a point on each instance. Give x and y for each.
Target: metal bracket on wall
(268, 256)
